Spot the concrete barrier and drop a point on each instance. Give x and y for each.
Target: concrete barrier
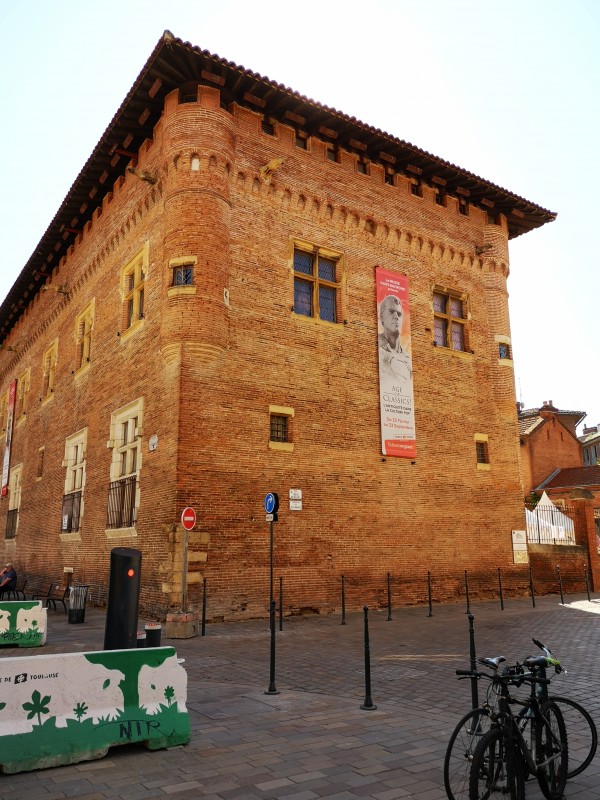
(22, 623)
(69, 707)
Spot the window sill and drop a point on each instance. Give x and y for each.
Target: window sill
(131, 330)
(484, 467)
(286, 447)
(317, 321)
(177, 291)
(22, 419)
(120, 533)
(74, 536)
(47, 399)
(456, 353)
(83, 370)
(505, 362)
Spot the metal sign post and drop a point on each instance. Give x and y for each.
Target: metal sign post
(271, 506)
(188, 520)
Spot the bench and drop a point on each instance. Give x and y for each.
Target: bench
(52, 596)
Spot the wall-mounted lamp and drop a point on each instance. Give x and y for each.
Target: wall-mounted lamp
(60, 288)
(143, 175)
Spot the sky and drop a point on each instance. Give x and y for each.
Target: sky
(507, 89)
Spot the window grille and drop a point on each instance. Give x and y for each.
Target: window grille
(279, 428)
(71, 510)
(121, 503)
(482, 453)
(183, 276)
(11, 523)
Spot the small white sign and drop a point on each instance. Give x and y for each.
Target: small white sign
(519, 537)
(295, 494)
(269, 517)
(295, 505)
(519, 546)
(153, 443)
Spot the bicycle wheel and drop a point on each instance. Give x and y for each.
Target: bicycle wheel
(551, 752)
(459, 753)
(496, 771)
(582, 736)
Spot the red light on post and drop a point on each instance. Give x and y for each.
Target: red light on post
(130, 573)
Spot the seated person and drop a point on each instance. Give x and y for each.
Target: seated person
(8, 579)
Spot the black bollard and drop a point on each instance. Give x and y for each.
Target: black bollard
(272, 688)
(500, 590)
(203, 623)
(280, 603)
(473, 659)
(587, 583)
(153, 632)
(467, 593)
(368, 704)
(429, 594)
(531, 587)
(560, 586)
(123, 599)
(343, 603)
(389, 590)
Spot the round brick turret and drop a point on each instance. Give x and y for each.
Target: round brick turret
(198, 144)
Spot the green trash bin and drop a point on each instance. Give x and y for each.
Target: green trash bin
(77, 600)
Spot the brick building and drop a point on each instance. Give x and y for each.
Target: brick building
(548, 439)
(199, 325)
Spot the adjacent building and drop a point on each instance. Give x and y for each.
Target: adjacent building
(245, 292)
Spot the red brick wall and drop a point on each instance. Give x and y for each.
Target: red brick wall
(549, 447)
(208, 372)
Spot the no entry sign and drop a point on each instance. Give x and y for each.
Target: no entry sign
(188, 518)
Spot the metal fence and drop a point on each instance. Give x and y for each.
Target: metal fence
(549, 524)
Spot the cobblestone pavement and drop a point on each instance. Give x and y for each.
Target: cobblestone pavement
(313, 740)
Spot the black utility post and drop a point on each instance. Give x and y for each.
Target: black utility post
(368, 705)
(123, 599)
(473, 660)
(429, 594)
(271, 506)
(560, 586)
(531, 589)
(467, 592)
(500, 590)
(587, 583)
(343, 603)
(389, 592)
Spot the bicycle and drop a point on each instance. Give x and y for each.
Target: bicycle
(504, 755)
(582, 735)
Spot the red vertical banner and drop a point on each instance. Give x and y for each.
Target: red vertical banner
(12, 394)
(396, 399)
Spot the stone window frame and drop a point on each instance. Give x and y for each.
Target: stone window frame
(175, 264)
(75, 462)
(22, 397)
(126, 431)
(84, 325)
(132, 287)
(288, 413)
(443, 333)
(49, 361)
(505, 354)
(316, 252)
(482, 452)
(15, 487)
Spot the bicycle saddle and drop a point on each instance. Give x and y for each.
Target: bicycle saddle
(494, 663)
